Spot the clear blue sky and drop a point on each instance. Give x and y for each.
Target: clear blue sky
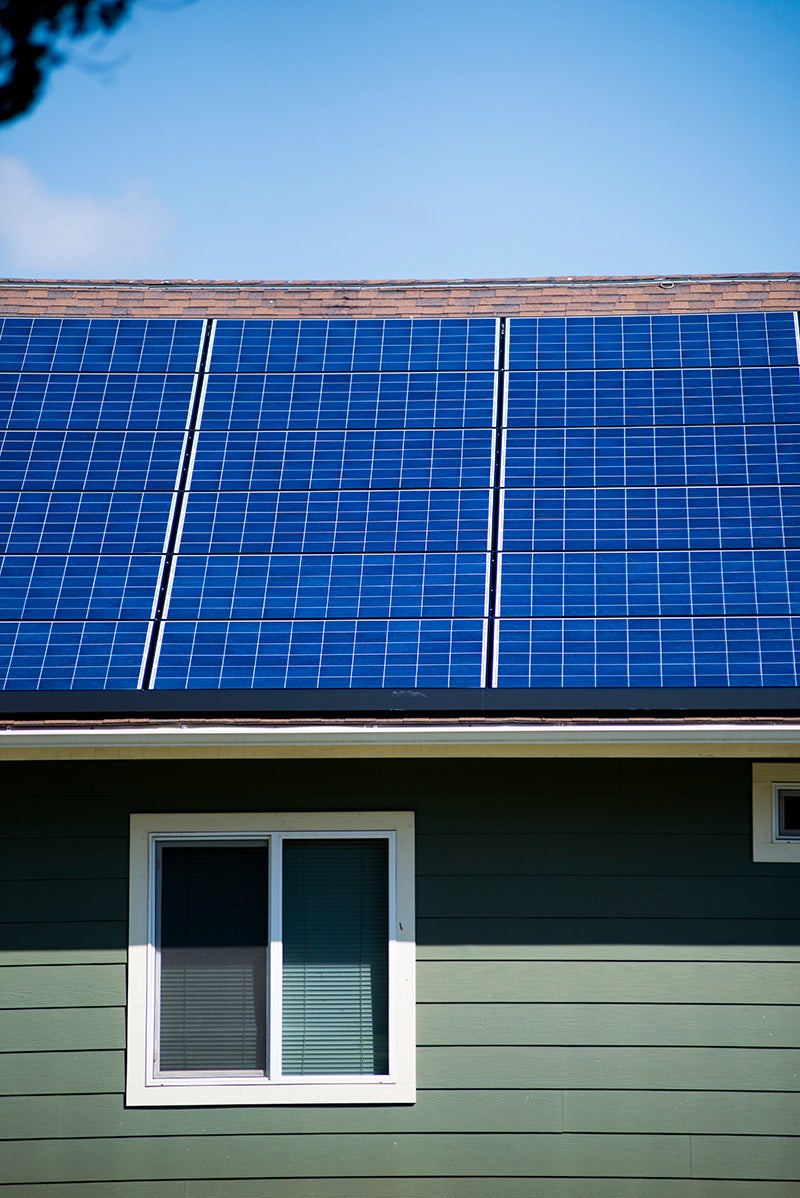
(423, 138)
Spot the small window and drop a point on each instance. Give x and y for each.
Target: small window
(271, 959)
(776, 813)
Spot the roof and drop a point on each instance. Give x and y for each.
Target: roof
(432, 299)
(178, 298)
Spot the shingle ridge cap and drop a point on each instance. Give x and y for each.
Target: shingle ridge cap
(576, 281)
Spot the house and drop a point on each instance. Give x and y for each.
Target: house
(511, 672)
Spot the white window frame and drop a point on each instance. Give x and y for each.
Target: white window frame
(769, 844)
(143, 1087)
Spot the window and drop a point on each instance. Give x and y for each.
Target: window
(271, 959)
(776, 813)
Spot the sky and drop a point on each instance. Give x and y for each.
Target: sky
(346, 139)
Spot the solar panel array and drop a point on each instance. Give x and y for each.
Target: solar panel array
(650, 527)
(93, 419)
(385, 504)
(337, 528)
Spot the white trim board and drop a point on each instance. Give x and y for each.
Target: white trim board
(553, 739)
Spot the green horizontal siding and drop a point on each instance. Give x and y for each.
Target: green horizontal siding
(487, 1155)
(423, 1187)
(609, 981)
(721, 1113)
(64, 857)
(519, 1067)
(692, 937)
(652, 1024)
(441, 1024)
(608, 990)
(62, 986)
(573, 897)
(56, 1029)
(749, 1113)
(578, 852)
(64, 899)
(83, 1116)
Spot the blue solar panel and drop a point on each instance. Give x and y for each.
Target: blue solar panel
(323, 586)
(557, 398)
(57, 460)
(117, 522)
(642, 342)
(70, 655)
(99, 345)
(333, 459)
(94, 401)
(676, 582)
(78, 587)
(321, 653)
(633, 518)
(650, 511)
(674, 652)
(94, 416)
(353, 401)
(337, 524)
(311, 346)
(336, 521)
(692, 455)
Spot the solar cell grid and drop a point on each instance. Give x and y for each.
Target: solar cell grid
(707, 582)
(94, 401)
(556, 398)
(321, 653)
(657, 456)
(70, 655)
(338, 515)
(99, 345)
(344, 346)
(78, 460)
(640, 342)
(77, 587)
(649, 518)
(324, 586)
(333, 459)
(118, 522)
(721, 651)
(336, 521)
(354, 401)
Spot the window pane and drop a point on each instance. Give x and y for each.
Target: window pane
(335, 956)
(213, 958)
(790, 812)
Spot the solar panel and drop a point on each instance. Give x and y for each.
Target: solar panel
(382, 503)
(71, 655)
(328, 586)
(115, 522)
(94, 401)
(313, 346)
(306, 654)
(641, 342)
(650, 504)
(401, 400)
(346, 521)
(95, 345)
(729, 517)
(718, 651)
(93, 419)
(607, 398)
(338, 520)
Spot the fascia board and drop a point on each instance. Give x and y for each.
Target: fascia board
(720, 739)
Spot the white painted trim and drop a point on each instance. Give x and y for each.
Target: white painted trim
(550, 738)
(768, 845)
(144, 1088)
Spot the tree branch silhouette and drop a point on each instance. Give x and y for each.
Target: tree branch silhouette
(32, 38)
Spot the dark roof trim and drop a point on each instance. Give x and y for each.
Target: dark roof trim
(611, 701)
